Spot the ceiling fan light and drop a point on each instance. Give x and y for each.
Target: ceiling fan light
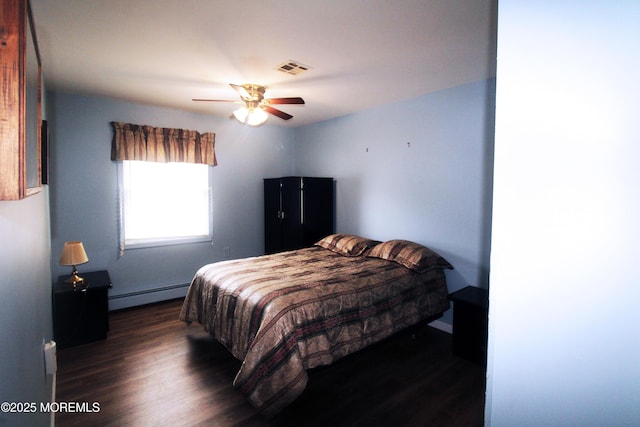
(241, 114)
(257, 116)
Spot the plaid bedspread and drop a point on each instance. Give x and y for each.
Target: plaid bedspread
(285, 313)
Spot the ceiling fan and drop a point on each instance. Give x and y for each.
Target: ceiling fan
(256, 106)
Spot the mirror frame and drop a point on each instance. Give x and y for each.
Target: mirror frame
(33, 109)
(21, 104)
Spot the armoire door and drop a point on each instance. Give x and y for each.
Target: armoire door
(291, 219)
(272, 228)
(317, 213)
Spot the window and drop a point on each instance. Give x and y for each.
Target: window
(165, 203)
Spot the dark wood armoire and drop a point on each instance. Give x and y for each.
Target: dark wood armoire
(298, 211)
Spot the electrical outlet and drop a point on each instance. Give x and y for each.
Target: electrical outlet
(50, 359)
(226, 252)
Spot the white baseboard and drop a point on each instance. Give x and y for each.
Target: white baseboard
(443, 326)
(148, 296)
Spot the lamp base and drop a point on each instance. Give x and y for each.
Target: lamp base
(75, 280)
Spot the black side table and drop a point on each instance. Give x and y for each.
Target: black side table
(470, 318)
(81, 316)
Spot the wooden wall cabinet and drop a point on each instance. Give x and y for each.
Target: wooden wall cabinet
(20, 107)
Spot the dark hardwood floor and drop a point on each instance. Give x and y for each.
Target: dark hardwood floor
(153, 370)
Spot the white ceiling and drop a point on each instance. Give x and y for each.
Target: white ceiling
(363, 53)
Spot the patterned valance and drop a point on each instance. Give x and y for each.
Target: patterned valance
(162, 145)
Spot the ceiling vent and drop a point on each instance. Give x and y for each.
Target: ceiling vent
(293, 67)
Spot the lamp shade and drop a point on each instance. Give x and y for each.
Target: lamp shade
(253, 116)
(256, 117)
(241, 114)
(73, 254)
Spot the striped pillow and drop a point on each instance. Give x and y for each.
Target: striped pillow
(346, 244)
(411, 255)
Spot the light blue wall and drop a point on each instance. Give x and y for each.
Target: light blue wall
(25, 303)
(84, 193)
(564, 345)
(419, 170)
(25, 306)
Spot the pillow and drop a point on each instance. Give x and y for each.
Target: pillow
(412, 255)
(346, 244)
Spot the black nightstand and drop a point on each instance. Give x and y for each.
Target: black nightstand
(81, 316)
(470, 317)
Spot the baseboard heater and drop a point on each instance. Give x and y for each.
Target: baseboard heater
(149, 291)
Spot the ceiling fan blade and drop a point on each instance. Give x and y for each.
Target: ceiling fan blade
(277, 113)
(215, 100)
(295, 100)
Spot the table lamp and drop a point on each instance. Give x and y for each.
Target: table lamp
(73, 254)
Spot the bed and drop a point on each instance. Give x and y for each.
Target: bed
(285, 313)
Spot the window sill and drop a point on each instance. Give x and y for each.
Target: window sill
(152, 243)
